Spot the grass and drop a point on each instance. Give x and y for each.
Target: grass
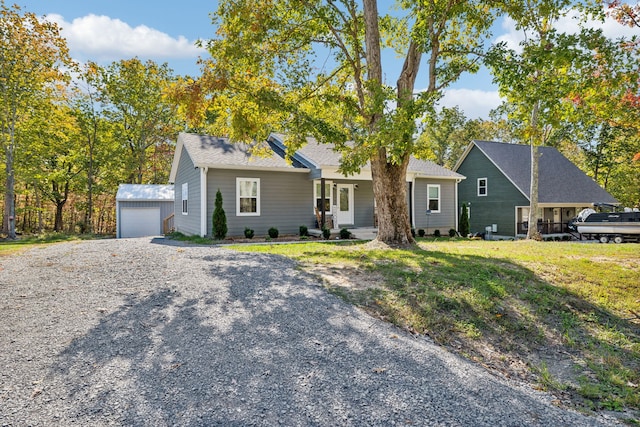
(561, 315)
(8, 246)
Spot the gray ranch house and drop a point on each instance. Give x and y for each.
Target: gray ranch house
(497, 188)
(260, 192)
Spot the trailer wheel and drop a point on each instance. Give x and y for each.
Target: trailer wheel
(618, 239)
(604, 239)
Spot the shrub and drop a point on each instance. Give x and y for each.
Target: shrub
(436, 233)
(219, 219)
(413, 232)
(273, 233)
(326, 233)
(452, 232)
(304, 231)
(248, 233)
(345, 233)
(464, 221)
(420, 232)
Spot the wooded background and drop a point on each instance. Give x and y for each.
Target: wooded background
(71, 133)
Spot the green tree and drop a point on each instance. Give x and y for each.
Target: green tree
(440, 141)
(133, 95)
(52, 158)
(32, 54)
(266, 73)
(537, 79)
(219, 219)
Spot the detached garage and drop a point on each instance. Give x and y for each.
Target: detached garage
(141, 209)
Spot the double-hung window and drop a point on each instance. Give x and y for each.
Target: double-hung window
(433, 198)
(482, 187)
(185, 199)
(248, 196)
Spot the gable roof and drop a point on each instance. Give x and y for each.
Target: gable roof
(317, 155)
(560, 181)
(218, 152)
(144, 193)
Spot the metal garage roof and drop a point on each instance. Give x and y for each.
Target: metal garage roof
(144, 192)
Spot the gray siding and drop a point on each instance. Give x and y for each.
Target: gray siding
(188, 224)
(286, 201)
(442, 221)
(498, 206)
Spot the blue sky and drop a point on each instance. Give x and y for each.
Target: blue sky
(165, 31)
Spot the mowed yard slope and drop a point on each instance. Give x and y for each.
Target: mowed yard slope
(562, 316)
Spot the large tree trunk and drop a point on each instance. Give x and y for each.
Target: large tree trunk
(390, 190)
(389, 179)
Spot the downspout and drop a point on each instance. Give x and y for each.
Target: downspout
(412, 205)
(322, 205)
(203, 201)
(457, 207)
(118, 219)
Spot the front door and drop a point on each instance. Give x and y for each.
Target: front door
(345, 204)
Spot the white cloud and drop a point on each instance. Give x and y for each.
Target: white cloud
(475, 103)
(102, 38)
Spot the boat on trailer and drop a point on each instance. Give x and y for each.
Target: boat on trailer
(608, 226)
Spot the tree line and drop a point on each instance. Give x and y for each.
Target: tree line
(71, 133)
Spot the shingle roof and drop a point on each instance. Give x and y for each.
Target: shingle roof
(323, 155)
(210, 151)
(560, 181)
(431, 169)
(143, 192)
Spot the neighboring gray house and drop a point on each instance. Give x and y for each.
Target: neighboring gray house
(498, 183)
(142, 209)
(263, 192)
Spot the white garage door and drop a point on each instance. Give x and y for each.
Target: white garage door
(139, 222)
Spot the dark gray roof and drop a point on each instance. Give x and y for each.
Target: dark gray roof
(322, 155)
(560, 181)
(213, 151)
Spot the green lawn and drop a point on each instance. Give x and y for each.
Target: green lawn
(561, 315)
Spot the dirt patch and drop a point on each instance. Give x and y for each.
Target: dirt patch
(347, 278)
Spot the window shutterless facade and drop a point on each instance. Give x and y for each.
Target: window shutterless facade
(482, 187)
(328, 195)
(185, 199)
(433, 198)
(247, 196)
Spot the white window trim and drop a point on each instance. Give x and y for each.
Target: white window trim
(439, 197)
(185, 198)
(486, 187)
(329, 196)
(238, 213)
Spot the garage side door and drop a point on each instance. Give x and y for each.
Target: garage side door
(140, 222)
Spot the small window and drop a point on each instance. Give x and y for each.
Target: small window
(248, 196)
(185, 199)
(433, 198)
(482, 187)
(328, 195)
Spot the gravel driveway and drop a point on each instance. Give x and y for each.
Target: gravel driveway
(133, 332)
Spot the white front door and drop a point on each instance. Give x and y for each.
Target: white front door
(345, 204)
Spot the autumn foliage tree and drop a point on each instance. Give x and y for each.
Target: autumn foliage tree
(145, 121)
(32, 55)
